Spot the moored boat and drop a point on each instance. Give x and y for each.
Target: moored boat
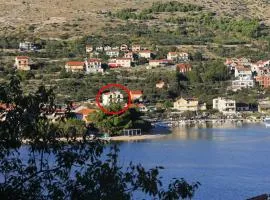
(267, 121)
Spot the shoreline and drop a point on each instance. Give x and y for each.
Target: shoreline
(187, 122)
(113, 138)
(137, 137)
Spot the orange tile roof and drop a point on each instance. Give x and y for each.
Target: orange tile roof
(22, 57)
(183, 65)
(242, 68)
(136, 92)
(86, 111)
(94, 60)
(75, 63)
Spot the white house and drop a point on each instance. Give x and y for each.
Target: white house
(112, 97)
(26, 46)
(242, 72)
(89, 48)
(225, 106)
(115, 48)
(242, 83)
(99, 48)
(93, 65)
(124, 47)
(112, 53)
(107, 48)
(178, 56)
(145, 54)
(183, 56)
(123, 62)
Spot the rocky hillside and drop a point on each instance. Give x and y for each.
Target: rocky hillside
(54, 18)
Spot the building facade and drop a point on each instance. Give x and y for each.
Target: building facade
(112, 97)
(225, 106)
(75, 66)
(242, 83)
(189, 104)
(93, 65)
(123, 62)
(264, 81)
(112, 53)
(22, 63)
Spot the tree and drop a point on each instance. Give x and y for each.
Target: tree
(197, 56)
(62, 169)
(114, 124)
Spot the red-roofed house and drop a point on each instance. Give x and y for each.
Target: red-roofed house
(74, 66)
(22, 63)
(136, 94)
(172, 56)
(113, 65)
(263, 81)
(183, 67)
(178, 56)
(242, 71)
(83, 113)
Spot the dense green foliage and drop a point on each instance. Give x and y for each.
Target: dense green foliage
(172, 6)
(114, 124)
(245, 27)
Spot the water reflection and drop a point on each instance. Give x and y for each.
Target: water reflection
(206, 131)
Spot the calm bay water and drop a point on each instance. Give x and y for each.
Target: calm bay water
(229, 162)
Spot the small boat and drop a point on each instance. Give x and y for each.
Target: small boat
(267, 121)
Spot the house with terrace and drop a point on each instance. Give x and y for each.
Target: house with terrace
(75, 66)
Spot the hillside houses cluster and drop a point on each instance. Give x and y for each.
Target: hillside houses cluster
(123, 56)
(246, 73)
